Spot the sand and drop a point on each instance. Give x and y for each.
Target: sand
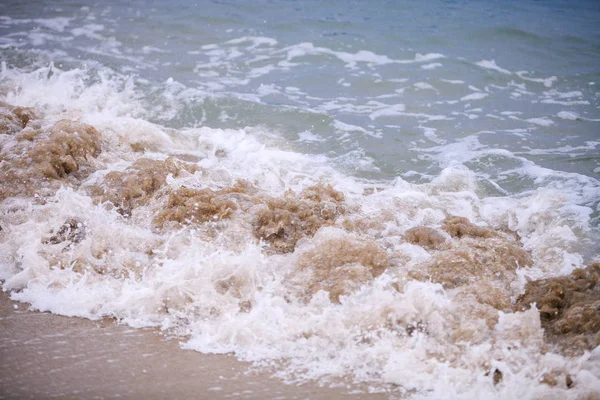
(46, 356)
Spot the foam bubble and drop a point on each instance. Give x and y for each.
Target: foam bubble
(569, 115)
(387, 110)
(542, 121)
(491, 64)
(547, 82)
(474, 96)
(431, 66)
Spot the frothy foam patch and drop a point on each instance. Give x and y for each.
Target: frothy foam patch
(307, 136)
(547, 82)
(57, 24)
(431, 66)
(423, 86)
(542, 121)
(474, 96)
(570, 115)
(491, 64)
(351, 59)
(387, 110)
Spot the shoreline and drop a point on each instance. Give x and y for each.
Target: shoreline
(44, 355)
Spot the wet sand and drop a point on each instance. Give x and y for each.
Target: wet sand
(46, 356)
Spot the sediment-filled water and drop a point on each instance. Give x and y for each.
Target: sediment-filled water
(400, 196)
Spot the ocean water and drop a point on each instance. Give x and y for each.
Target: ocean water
(249, 175)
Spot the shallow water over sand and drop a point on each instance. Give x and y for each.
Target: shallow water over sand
(45, 356)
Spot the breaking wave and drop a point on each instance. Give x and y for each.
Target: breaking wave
(244, 246)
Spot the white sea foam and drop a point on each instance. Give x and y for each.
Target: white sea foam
(255, 40)
(542, 121)
(307, 136)
(423, 86)
(89, 30)
(348, 127)
(453, 81)
(474, 96)
(491, 64)
(430, 134)
(425, 57)
(566, 103)
(568, 115)
(307, 48)
(547, 82)
(573, 116)
(572, 151)
(431, 66)
(171, 278)
(387, 111)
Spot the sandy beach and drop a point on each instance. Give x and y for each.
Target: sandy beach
(50, 356)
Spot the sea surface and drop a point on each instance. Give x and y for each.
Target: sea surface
(249, 174)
